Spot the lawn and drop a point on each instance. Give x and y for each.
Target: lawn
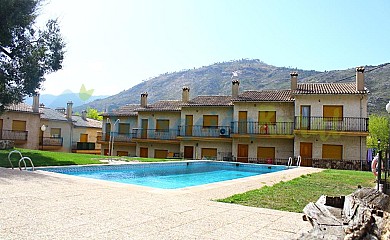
(46, 158)
(294, 195)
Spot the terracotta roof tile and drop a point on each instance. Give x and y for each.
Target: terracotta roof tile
(210, 101)
(162, 106)
(327, 88)
(265, 96)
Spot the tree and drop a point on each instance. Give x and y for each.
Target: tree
(378, 129)
(94, 114)
(26, 52)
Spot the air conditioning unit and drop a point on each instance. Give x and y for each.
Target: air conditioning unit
(223, 132)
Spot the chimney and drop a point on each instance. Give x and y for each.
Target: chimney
(294, 80)
(84, 115)
(35, 106)
(235, 84)
(61, 110)
(144, 99)
(360, 79)
(185, 97)
(69, 111)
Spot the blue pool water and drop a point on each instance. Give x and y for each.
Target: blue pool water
(169, 175)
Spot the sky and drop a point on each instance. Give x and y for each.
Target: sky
(114, 45)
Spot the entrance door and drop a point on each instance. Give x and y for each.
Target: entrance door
(189, 125)
(242, 153)
(188, 152)
(305, 152)
(305, 117)
(144, 125)
(242, 122)
(143, 152)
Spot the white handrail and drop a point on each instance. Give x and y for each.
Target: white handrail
(290, 161)
(299, 161)
(9, 156)
(25, 166)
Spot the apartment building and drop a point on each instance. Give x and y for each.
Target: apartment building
(320, 123)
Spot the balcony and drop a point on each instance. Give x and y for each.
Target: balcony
(201, 131)
(345, 124)
(118, 137)
(17, 136)
(155, 134)
(51, 141)
(263, 128)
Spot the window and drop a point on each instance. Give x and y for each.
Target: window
(210, 121)
(124, 128)
(108, 128)
(209, 153)
(332, 151)
(83, 137)
(18, 125)
(266, 153)
(55, 132)
(162, 125)
(267, 117)
(334, 112)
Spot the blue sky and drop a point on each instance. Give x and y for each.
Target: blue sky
(114, 45)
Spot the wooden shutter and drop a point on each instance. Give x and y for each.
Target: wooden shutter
(209, 153)
(160, 153)
(83, 137)
(18, 125)
(266, 152)
(267, 117)
(332, 151)
(333, 111)
(210, 121)
(123, 128)
(162, 125)
(1, 123)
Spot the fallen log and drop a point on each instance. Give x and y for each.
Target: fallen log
(363, 214)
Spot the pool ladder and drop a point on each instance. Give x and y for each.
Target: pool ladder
(22, 159)
(290, 161)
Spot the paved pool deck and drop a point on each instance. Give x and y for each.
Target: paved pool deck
(42, 205)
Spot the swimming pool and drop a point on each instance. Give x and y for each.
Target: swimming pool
(169, 175)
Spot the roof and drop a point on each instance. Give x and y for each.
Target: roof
(20, 107)
(127, 110)
(218, 101)
(78, 121)
(51, 114)
(265, 96)
(327, 88)
(162, 106)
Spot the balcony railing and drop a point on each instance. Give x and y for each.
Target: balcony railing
(201, 131)
(345, 124)
(263, 128)
(51, 141)
(157, 134)
(13, 135)
(118, 137)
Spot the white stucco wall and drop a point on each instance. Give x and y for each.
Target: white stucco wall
(222, 147)
(284, 148)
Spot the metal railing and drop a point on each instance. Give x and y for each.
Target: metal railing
(158, 134)
(51, 141)
(345, 124)
(263, 128)
(201, 131)
(13, 135)
(118, 137)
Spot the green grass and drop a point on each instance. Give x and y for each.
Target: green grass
(46, 158)
(294, 195)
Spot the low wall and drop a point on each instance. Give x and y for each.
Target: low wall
(341, 164)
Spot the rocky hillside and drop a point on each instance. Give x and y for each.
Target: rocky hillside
(253, 74)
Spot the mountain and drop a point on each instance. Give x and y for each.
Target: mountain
(54, 101)
(253, 74)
